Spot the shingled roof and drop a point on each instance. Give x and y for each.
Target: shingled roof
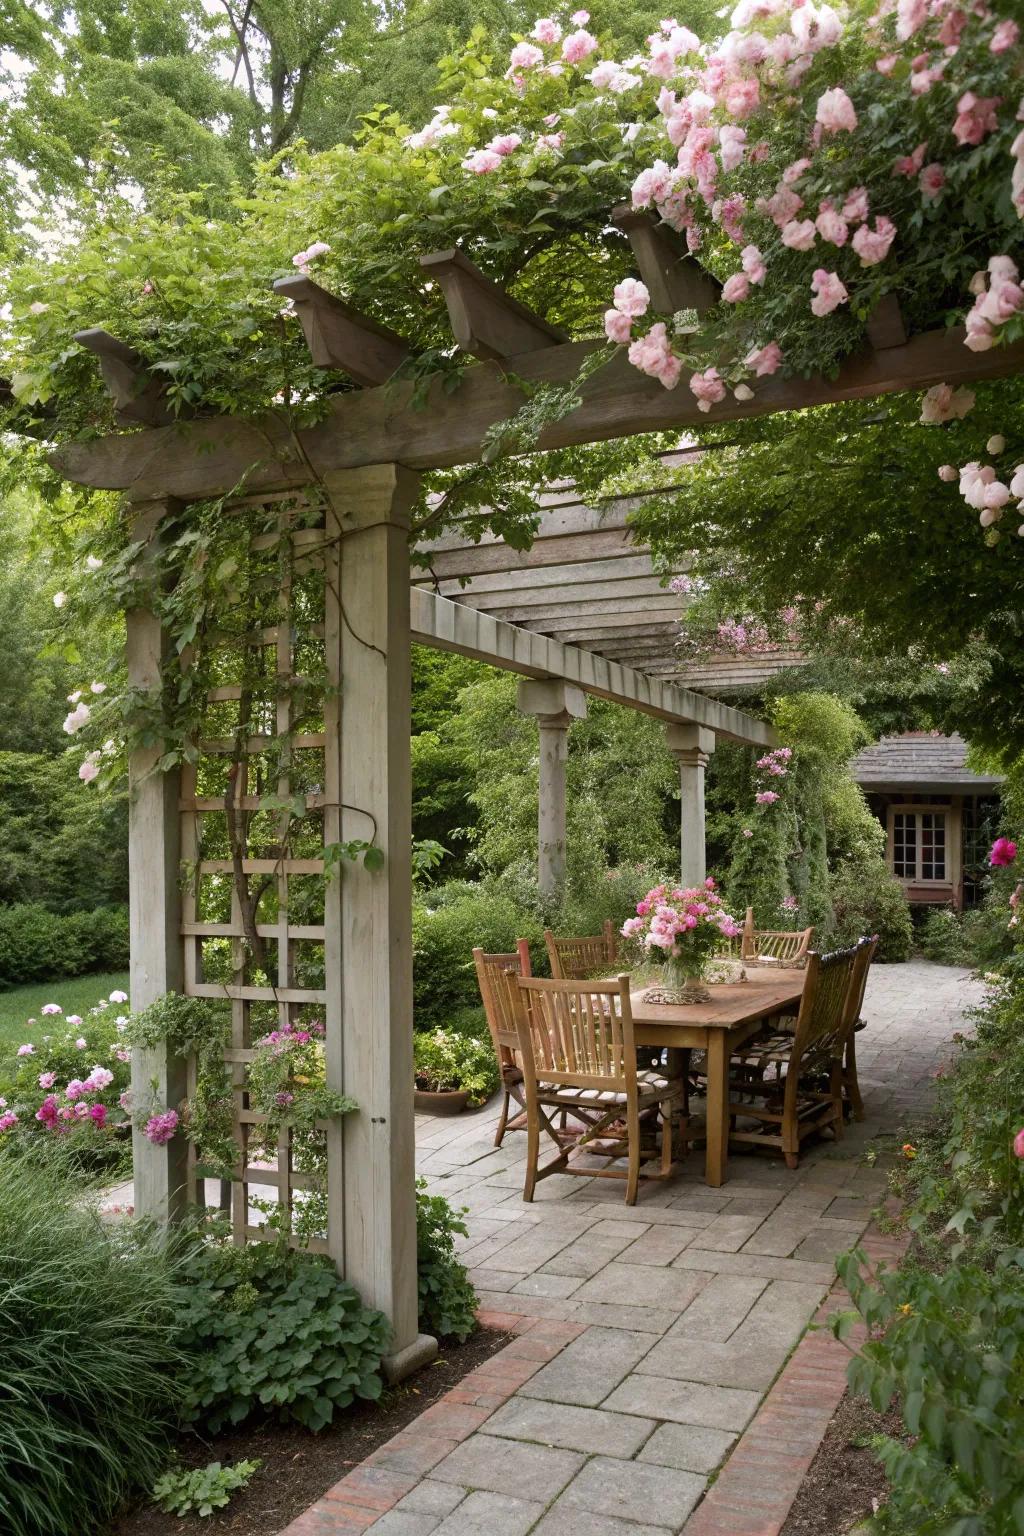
(920, 759)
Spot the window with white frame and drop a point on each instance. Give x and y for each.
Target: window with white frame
(920, 846)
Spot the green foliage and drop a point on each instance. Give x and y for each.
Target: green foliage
(87, 1333)
(447, 1301)
(272, 1329)
(945, 937)
(37, 944)
(951, 1345)
(978, 937)
(202, 1489)
(867, 899)
(448, 1058)
(62, 844)
(448, 922)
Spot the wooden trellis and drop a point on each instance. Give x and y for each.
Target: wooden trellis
(270, 751)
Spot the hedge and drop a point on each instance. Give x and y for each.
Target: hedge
(39, 945)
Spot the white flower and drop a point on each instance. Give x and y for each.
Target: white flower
(78, 717)
(90, 768)
(119, 997)
(59, 599)
(73, 698)
(995, 444)
(51, 1008)
(743, 392)
(97, 687)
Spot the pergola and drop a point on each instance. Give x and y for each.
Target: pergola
(563, 616)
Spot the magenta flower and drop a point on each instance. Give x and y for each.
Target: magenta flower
(1003, 852)
(7, 1120)
(160, 1128)
(1018, 1143)
(46, 1114)
(98, 1113)
(283, 1099)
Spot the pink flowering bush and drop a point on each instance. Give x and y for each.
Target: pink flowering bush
(68, 1084)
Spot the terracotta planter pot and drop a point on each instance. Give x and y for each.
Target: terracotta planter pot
(451, 1102)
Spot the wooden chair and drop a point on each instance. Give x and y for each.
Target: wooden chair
(578, 959)
(852, 1100)
(500, 1011)
(776, 1078)
(775, 946)
(577, 1053)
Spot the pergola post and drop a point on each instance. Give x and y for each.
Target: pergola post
(369, 918)
(556, 704)
(160, 1172)
(691, 746)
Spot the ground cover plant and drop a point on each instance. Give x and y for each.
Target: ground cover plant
(21, 1015)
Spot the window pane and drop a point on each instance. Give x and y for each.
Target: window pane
(933, 846)
(904, 845)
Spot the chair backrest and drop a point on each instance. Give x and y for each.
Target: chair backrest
(823, 1021)
(776, 945)
(577, 959)
(577, 1034)
(496, 976)
(858, 982)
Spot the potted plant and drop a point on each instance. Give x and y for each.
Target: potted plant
(451, 1070)
(687, 928)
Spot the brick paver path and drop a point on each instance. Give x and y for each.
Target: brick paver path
(679, 1313)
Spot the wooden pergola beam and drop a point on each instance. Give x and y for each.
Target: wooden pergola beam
(486, 321)
(338, 336)
(139, 398)
(204, 458)
(673, 278)
(448, 626)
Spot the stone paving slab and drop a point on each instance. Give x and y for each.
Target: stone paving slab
(508, 1466)
(684, 1402)
(587, 1369)
(690, 1447)
(569, 1428)
(626, 1489)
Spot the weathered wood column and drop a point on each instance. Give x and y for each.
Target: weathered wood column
(556, 705)
(691, 746)
(154, 908)
(373, 1206)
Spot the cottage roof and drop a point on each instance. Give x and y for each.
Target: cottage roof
(920, 759)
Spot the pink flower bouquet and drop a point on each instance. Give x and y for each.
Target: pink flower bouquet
(686, 928)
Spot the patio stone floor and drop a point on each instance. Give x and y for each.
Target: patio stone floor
(680, 1311)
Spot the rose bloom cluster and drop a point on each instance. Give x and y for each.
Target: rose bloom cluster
(681, 922)
(74, 1079)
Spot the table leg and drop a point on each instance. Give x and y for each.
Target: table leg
(717, 1158)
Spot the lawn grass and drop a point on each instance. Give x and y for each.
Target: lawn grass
(75, 996)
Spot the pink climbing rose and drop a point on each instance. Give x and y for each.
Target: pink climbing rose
(161, 1127)
(835, 111)
(872, 246)
(829, 292)
(765, 360)
(1018, 1143)
(617, 326)
(1003, 852)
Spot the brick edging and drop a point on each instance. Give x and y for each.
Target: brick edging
(756, 1488)
(394, 1468)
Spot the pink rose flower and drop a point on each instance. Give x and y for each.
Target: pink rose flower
(947, 472)
(617, 326)
(742, 97)
(731, 144)
(545, 30)
(887, 63)
(931, 181)
(525, 56)
(505, 143)
(736, 288)
(578, 45)
(855, 208)
(1018, 1143)
(753, 264)
(630, 297)
(831, 226)
(872, 246)
(482, 161)
(799, 234)
(28, 1049)
(1002, 852)
(910, 165)
(708, 388)
(1004, 37)
(161, 1127)
(835, 111)
(829, 292)
(765, 360)
(976, 118)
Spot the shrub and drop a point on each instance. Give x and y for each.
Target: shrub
(944, 938)
(607, 894)
(868, 899)
(87, 1329)
(447, 1299)
(36, 944)
(447, 1059)
(951, 1346)
(976, 938)
(447, 923)
(275, 1329)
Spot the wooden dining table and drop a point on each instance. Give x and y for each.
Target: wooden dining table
(736, 1012)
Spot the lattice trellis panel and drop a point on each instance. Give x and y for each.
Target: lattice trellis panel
(256, 809)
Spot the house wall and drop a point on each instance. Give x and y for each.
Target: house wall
(970, 823)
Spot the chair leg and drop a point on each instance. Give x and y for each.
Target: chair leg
(668, 1124)
(503, 1122)
(836, 1087)
(532, 1150)
(633, 1174)
(851, 1086)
